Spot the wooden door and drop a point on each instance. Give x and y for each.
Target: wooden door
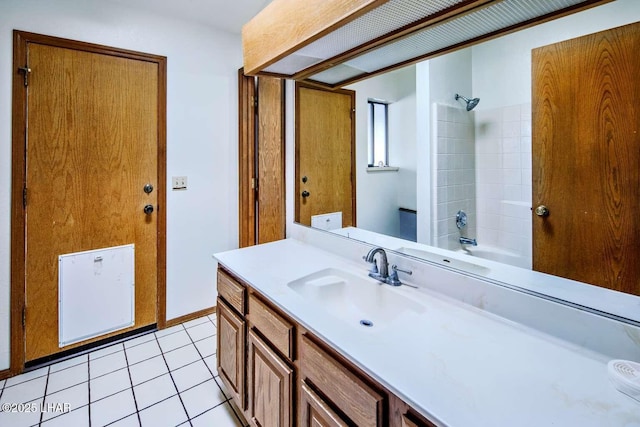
(231, 351)
(270, 385)
(325, 154)
(247, 176)
(315, 412)
(270, 142)
(586, 157)
(261, 160)
(94, 132)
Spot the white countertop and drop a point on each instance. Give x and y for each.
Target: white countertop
(456, 364)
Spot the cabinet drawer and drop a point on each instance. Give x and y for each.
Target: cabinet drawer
(275, 328)
(231, 291)
(361, 403)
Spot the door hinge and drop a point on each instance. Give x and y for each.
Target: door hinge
(253, 183)
(26, 71)
(24, 316)
(24, 196)
(255, 101)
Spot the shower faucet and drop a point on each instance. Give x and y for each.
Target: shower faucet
(468, 241)
(461, 222)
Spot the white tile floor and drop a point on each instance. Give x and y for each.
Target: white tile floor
(167, 378)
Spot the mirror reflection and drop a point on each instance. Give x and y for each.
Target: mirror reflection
(461, 175)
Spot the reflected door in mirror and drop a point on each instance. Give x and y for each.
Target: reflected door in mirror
(586, 152)
(325, 153)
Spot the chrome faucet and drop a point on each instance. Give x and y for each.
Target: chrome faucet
(468, 241)
(381, 273)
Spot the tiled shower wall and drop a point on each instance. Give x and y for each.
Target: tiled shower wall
(455, 174)
(503, 180)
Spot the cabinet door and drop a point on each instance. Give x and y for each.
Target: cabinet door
(231, 351)
(315, 412)
(269, 381)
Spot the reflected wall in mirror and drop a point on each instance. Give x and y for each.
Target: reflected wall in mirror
(451, 159)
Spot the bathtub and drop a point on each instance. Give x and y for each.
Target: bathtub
(496, 254)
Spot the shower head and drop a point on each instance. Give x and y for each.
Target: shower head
(471, 103)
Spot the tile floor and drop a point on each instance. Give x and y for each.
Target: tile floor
(167, 378)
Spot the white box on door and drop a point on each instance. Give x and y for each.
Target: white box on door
(96, 293)
(328, 221)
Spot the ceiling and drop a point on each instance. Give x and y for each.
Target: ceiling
(226, 15)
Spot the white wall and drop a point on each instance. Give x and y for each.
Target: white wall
(438, 80)
(201, 133)
(502, 67)
(503, 181)
(380, 194)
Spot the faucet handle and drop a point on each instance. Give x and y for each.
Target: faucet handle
(396, 269)
(393, 279)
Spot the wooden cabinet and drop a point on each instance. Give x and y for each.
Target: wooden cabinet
(314, 411)
(411, 421)
(269, 386)
(231, 351)
(402, 415)
(361, 403)
(261, 352)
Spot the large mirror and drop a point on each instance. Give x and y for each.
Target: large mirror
(448, 155)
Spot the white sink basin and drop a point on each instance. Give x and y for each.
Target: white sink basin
(353, 298)
(443, 260)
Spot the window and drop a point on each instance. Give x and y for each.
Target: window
(378, 134)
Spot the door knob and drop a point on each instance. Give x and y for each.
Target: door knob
(148, 188)
(305, 193)
(148, 209)
(542, 210)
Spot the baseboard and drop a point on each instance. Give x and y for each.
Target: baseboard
(190, 316)
(5, 374)
(86, 348)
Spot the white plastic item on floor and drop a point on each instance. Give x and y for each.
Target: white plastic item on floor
(625, 375)
(95, 293)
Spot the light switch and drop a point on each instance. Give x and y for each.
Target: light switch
(179, 182)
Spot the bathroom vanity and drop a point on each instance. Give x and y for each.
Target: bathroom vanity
(305, 338)
(260, 351)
